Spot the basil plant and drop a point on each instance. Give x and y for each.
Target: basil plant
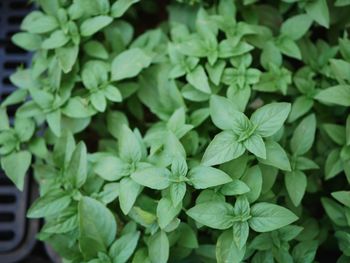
(185, 131)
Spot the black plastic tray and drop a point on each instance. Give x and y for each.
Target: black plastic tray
(12, 13)
(17, 234)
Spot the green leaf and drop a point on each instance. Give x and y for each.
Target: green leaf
(123, 248)
(242, 208)
(141, 256)
(166, 212)
(227, 250)
(225, 115)
(276, 156)
(214, 214)
(63, 149)
(179, 166)
(192, 94)
(209, 195)
(344, 46)
(4, 120)
(98, 100)
(51, 7)
(15, 97)
(299, 107)
(223, 148)
(305, 252)
(42, 97)
(318, 11)
(97, 227)
(152, 177)
(296, 183)
(111, 168)
(256, 146)
(177, 192)
(142, 217)
(91, 79)
(95, 49)
(343, 238)
(227, 8)
(304, 135)
(268, 217)
(334, 211)
(236, 187)
(62, 224)
(57, 39)
(78, 107)
(24, 128)
(54, 121)
(240, 233)
(121, 6)
(15, 167)
(38, 23)
(130, 148)
(77, 168)
(199, 116)
(129, 191)
(92, 25)
(270, 54)
(341, 69)
(303, 163)
(115, 121)
(270, 118)
(109, 193)
(290, 232)
(343, 197)
(113, 94)
(203, 177)
(296, 26)
(198, 79)
(339, 95)
(129, 63)
(188, 238)
(8, 141)
(177, 123)
(239, 96)
(253, 179)
(228, 49)
(27, 41)
(158, 247)
(193, 47)
(288, 47)
(264, 256)
(130, 227)
(333, 164)
(215, 71)
(94, 7)
(52, 203)
(342, 2)
(38, 147)
(75, 125)
(67, 56)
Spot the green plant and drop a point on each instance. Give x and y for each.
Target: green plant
(220, 135)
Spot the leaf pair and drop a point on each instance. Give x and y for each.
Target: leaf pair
(220, 215)
(261, 217)
(240, 133)
(201, 177)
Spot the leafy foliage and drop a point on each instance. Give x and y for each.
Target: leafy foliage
(220, 135)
